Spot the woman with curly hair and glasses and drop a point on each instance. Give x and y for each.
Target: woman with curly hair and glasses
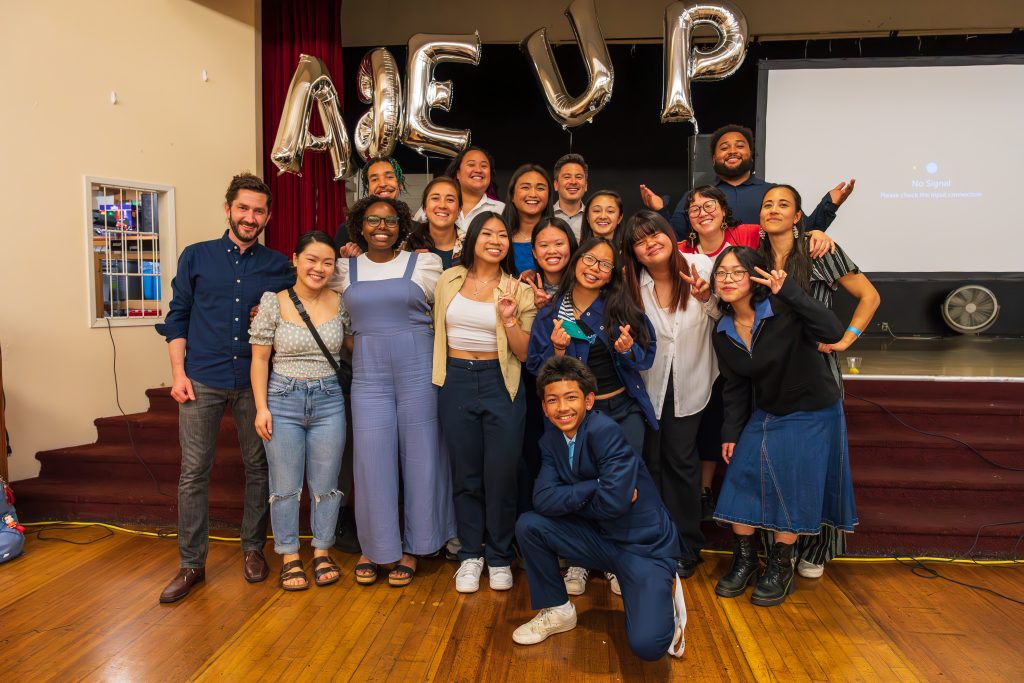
(388, 294)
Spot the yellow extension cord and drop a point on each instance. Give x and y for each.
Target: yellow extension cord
(712, 552)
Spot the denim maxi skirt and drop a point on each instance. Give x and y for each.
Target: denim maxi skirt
(790, 473)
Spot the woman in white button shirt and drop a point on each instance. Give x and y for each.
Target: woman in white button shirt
(673, 290)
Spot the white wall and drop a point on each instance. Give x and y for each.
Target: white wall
(60, 60)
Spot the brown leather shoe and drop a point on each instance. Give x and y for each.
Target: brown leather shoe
(182, 583)
(256, 568)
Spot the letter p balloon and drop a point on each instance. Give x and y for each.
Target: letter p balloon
(684, 62)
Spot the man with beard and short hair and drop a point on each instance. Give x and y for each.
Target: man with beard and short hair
(217, 283)
(733, 158)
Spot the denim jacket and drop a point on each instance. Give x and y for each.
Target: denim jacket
(627, 365)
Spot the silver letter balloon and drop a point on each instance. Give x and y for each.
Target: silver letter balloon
(685, 62)
(380, 85)
(565, 109)
(311, 83)
(425, 51)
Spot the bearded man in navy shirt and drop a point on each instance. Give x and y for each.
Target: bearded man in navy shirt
(217, 283)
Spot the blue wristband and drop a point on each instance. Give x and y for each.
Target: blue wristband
(853, 329)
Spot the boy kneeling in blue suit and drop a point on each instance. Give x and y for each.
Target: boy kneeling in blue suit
(596, 506)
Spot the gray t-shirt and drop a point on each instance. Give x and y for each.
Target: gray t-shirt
(296, 352)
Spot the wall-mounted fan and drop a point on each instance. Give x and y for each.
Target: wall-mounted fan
(970, 309)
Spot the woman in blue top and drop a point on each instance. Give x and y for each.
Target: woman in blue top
(594, 319)
(529, 201)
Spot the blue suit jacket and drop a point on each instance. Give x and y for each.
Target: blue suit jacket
(599, 488)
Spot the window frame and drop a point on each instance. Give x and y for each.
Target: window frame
(168, 255)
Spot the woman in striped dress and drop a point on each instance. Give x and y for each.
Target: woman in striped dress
(821, 277)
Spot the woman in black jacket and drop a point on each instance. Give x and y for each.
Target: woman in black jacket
(784, 435)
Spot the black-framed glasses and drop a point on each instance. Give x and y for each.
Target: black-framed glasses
(706, 207)
(602, 265)
(374, 221)
(730, 275)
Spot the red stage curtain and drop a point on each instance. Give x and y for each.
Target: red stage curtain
(313, 201)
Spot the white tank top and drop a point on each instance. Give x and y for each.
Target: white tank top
(471, 325)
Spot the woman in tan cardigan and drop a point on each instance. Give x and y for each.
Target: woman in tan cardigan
(482, 319)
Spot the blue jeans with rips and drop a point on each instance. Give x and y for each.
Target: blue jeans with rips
(308, 437)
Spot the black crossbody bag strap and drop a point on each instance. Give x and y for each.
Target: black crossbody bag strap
(344, 375)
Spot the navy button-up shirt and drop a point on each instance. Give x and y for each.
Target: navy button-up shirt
(215, 287)
(745, 201)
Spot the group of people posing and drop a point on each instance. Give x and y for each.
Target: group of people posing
(540, 373)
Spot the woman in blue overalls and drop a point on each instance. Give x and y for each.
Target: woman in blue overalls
(388, 295)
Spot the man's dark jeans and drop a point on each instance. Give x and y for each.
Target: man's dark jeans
(198, 425)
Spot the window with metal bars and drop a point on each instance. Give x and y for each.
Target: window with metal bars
(131, 239)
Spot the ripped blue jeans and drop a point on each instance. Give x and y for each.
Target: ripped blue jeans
(307, 436)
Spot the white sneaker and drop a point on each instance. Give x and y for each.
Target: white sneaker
(547, 622)
(467, 578)
(809, 570)
(576, 580)
(614, 581)
(501, 578)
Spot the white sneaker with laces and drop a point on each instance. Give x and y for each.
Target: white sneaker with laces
(548, 622)
(467, 578)
(809, 570)
(501, 578)
(614, 581)
(576, 580)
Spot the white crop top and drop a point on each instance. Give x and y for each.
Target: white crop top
(471, 325)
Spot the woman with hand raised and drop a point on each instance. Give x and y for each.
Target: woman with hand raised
(482, 319)
(674, 291)
(820, 275)
(788, 466)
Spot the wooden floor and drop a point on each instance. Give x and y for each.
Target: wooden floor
(90, 612)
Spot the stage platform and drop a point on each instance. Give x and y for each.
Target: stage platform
(914, 414)
(947, 359)
(90, 612)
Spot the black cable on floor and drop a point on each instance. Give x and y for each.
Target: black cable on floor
(57, 526)
(919, 568)
(127, 422)
(938, 436)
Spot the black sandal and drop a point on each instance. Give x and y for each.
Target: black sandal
(293, 570)
(366, 567)
(319, 569)
(404, 572)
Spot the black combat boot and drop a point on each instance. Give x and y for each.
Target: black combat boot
(743, 571)
(777, 581)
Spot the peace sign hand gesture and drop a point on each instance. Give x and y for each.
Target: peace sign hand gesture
(507, 302)
(624, 342)
(540, 297)
(772, 280)
(698, 286)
